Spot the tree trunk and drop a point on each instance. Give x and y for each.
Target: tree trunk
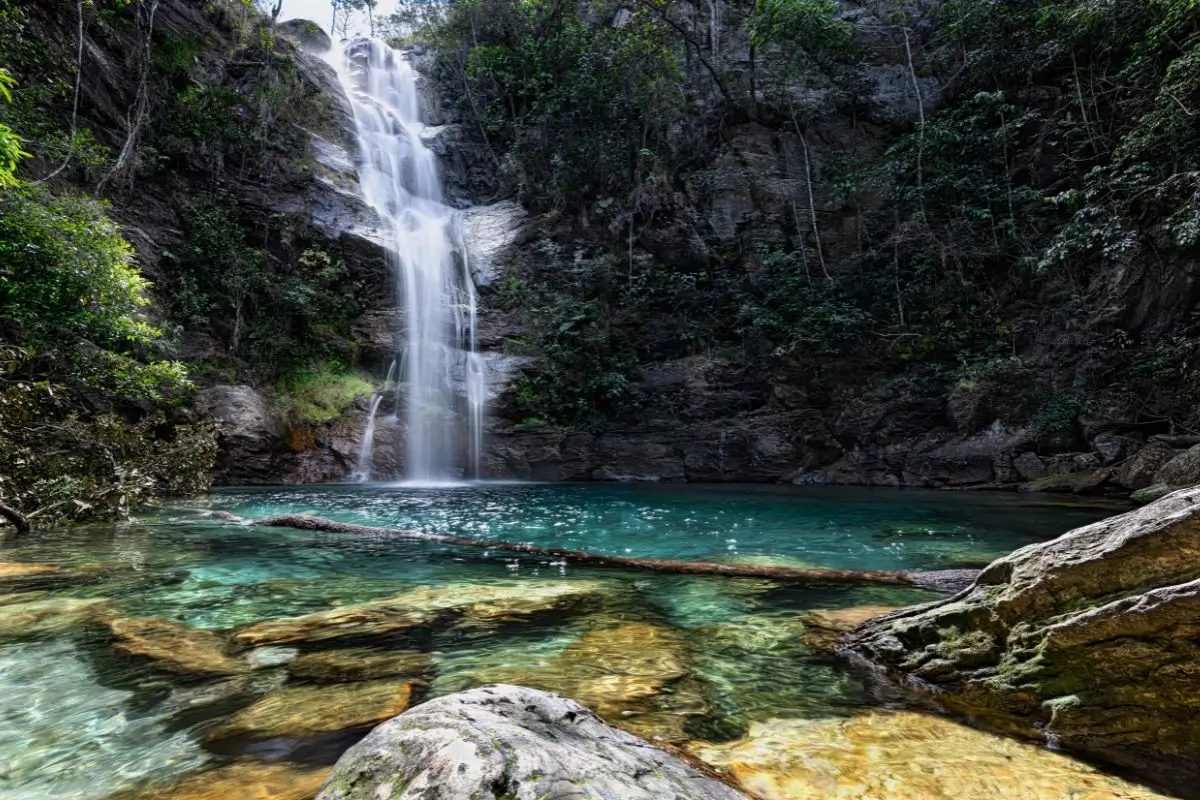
(944, 580)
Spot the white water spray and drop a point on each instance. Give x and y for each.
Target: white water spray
(399, 179)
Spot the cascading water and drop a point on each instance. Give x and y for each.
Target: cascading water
(438, 362)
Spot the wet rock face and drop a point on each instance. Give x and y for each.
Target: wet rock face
(889, 755)
(511, 742)
(1092, 639)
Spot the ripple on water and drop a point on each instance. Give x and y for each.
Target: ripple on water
(64, 736)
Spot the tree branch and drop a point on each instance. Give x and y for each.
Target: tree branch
(16, 518)
(944, 580)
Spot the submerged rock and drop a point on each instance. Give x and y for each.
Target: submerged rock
(44, 618)
(632, 675)
(360, 664)
(174, 647)
(903, 756)
(305, 712)
(824, 629)
(470, 604)
(511, 742)
(1092, 639)
(247, 780)
(20, 577)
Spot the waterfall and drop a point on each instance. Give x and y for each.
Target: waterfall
(441, 387)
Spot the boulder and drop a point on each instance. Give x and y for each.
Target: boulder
(457, 604)
(306, 34)
(631, 674)
(1182, 470)
(901, 755)
(245, 780)
(1139, 470)
(824, 629)
(175, 648)
(1091, 641)
(515, 743)
(305, 712)
(360, 664)
(252, 432)
(39, 619)
(1029, 466)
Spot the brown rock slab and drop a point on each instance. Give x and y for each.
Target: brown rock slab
(634, 675)
(890, 755)
(19, 577)
(304, 712)
(247, 780)
(469, 604)
(824, 629)
(41, 618)
(174, 647)
(360, 664)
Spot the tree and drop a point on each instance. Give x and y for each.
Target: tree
(10, 143)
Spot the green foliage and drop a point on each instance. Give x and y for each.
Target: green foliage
(64, 465)
(320, 392)
(812, 25)
(265, 309)
(68, 286)
(10, 143)
(576, 106)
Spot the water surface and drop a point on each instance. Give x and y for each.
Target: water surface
(678, 658)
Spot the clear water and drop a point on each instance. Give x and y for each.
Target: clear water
(77, 723)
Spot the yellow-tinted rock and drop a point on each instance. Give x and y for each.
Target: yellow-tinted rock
(15, 572)
(174, 647)
(306, 711)
(824, 629)
(360, 664)
(623, 674)
(903, 756)
(42, 618)
(248, 780)
(458, 603)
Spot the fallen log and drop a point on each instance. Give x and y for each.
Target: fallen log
(940, 580)
(16, 518)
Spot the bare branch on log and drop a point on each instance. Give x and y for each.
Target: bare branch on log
(944, 580)
(16, 518)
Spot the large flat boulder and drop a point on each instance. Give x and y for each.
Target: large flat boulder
(174, 648)
(514, 743)
(902, 755)
(465, 604)
(1090, 641)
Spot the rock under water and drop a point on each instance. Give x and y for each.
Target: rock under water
(1090, 641)
(514, 743)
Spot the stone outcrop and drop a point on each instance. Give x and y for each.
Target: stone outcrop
(1091, 640)
(245, 780)
(511, 742)
(305, 712)
(464, 605)
(175, 648)
(901, 755)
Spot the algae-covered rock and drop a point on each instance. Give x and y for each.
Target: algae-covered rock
(1092, 638)
(360, 664)
(511, 742)
(304, 712)
(175, 648)
(461, 604)
(246, 780)
(903, 756)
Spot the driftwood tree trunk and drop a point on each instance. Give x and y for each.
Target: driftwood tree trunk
(16, 519)
(944, 580)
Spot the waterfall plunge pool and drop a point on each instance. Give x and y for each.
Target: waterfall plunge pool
(711, 664)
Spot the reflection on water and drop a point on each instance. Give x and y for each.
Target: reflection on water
(700, 662)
